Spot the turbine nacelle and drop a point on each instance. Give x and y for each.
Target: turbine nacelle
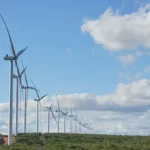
(71, 115)
(14, 76)
(48, 107)
(65, 113)
(79, 122)
(57, 111)
(10, 57)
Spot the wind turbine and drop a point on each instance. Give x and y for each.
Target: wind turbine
(80, 124)
(91, 128)
(11, 59)
(65, 115)
(75, 119)
(71, 116)
(58, 111)
(85, 126)
(50, 111)
(26, 88)
(38, 100)
(17, 86)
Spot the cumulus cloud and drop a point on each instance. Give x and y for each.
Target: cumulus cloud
(116, 32)
(126, 97)
(147, 70)
(134, 94)
(122, 111)
(126, 59)
(131, 77)
(4, 107)
(121, 74)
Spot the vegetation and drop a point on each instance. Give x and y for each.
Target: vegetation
(52, 141)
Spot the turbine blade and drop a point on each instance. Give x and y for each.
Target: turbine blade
(19, 75)
(20, 52)
(57, 102)
(53, 116)
(35, 90)
(26, 79)
(12, 49)
(43, 96)
(10, 39)
(52, 103)
(23, 71)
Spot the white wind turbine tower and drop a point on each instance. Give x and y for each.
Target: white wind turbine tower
(38, 100)
(70, 120)
(65, 115)
(80, 129)
(26, 88)
(58, 111)
(11, 59)
(50, 111)
(87, 127)
(17, 86)
(84, 125)
(80, 125)
(71, 116)
(75, 119)
(91, 128)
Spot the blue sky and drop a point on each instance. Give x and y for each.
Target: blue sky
(50, 28)
(98, 47)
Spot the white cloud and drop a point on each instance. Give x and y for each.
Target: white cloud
(134, 95)
(117, 32)
(126, 59)
(129, 59)
(139, 53)
(108, 113)
(138, 76)
(4, 107)
(121, 74)
(131, 97)
(125, 75)
(147, 70)
(148, 53)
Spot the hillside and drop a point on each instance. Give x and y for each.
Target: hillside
(78, 142)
